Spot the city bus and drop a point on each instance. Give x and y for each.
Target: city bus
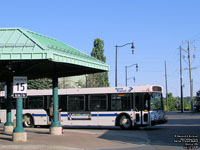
(126, 107)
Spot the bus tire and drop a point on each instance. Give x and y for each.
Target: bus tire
(125, 122)
(28, 121)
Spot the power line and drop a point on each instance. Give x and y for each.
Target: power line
(193, 38)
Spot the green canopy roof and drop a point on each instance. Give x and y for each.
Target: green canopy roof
(40, 53)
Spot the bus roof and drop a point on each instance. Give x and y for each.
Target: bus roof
(103, 90)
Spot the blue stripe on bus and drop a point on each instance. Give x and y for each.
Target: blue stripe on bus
(39, 115)
(108, 115)
(104, 115)
(64, 115)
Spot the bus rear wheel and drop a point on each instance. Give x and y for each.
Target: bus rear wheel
(125, 122)
(28, 121)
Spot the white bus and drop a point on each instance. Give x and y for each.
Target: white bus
(126, 107)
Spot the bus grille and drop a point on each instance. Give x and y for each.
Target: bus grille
(146, 117)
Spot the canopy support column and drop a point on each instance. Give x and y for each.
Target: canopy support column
(56, 128)
(8, 126)
(19, 135)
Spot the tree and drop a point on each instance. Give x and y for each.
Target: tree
(171, 102)
(197, 98)
(79, 84)
(44, 83)
(98, 79)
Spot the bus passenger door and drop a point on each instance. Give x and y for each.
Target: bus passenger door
(137, 108)
(142, 107)
(146, 109)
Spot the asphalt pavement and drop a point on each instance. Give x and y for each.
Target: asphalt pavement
(182, 131)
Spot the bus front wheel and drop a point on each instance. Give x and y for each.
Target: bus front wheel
(125, 122)
(28, 121)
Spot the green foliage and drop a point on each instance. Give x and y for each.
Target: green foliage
(187, 104)
(79, 84)
(98, 79)
(44, 83)
(98, 50)
(175, 103)
(171, 102)
(197, 98)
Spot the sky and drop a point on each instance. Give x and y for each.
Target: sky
(157, 27)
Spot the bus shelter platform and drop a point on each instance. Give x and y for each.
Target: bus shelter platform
(72, 139)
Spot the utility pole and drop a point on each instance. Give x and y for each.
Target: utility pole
(181, 81)
(166, 84)
(190, 76)
(190, 73)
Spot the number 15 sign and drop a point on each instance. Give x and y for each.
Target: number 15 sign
(19, 87)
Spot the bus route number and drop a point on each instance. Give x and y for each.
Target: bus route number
(19, 87)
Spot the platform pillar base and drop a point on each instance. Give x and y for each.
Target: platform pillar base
(19, 137)
(56, 130)
(8, 129)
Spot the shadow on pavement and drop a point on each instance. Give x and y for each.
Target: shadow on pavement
(5, 139)
(160, 135)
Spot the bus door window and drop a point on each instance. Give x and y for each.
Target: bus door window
(146, 103)
(76, 103)
(138, 102)
(120, 102)
(98, 102)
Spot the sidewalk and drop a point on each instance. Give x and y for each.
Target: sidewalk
(72, 139)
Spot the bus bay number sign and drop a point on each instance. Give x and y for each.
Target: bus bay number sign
(19, 87)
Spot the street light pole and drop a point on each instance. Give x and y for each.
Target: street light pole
(126, 67)
(116, 67)
(132, 47)
(126, 73)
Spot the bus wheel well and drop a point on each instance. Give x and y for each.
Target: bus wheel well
(28, 120)
(117, 121)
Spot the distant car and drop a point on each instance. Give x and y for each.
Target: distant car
(197, 107)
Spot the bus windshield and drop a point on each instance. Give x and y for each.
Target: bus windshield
(156, 101)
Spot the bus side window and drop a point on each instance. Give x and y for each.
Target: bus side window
(63, 102)
(76, 103)
(36, 102)
(98, 102)
(120, 102)
(2, 103)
